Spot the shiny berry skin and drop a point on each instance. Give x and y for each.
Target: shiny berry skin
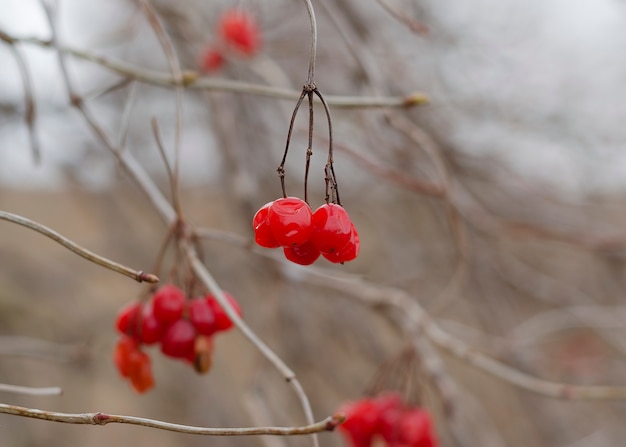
(202, 316)
(151, 329)
(361, 422)
(305, 254)
(178, 340)
(168, 304)
(262, 232)
(290, 221)
(128, 319)
(331, 228)
(222, 321)
(349, 252)
(240, 31)
(211, 60)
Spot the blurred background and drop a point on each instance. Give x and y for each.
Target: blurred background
(498, 207)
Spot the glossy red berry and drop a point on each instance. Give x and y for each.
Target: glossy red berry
(211, 60)
(262, 232)
(305, 254)
(168, 304)
(128, 319)
(239, 30)
(202, 316)
(178, 340)
(361, 422)
(332, 228)
(349, 252)
(290, 221)
(222, 320)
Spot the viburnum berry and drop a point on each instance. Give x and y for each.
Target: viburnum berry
(151, 328)
(203, 350)
(202, 316)
(415, 429)
(262, 232)
(168, 304)
(222, 320)
(361, 422)
(179, 339)
(349, 251)
(211, 59)
(332, 228)
(305, 254)
(239, 30)
(128, 319)
(134, 364)
(290, 221)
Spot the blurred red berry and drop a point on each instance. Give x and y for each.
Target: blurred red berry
(168, 304)
(128, 319)
(134, 364)
(151, 328)
(361, 422)
(222, 320)
(239, 30)
(202, 316)
(178, 340)
(211, 60)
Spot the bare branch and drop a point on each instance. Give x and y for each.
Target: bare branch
(48, 391)
(327, 424)
(138, 276)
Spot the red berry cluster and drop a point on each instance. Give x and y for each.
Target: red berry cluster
(237, 32)
(389, 418)
(183, 328)
(305, 235)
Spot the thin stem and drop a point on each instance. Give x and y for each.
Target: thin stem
(31, 391)
(327, 424)
(329, 169)
(207, 279)
(171, 173)
(172, 59)
(281, 167)
(310, 80)
(309, 149)
(138, 276)
(29, 101)
(192, 80)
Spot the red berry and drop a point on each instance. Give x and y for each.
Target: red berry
(290, 221)
(211, 59)
(202, 316)
(349, 252)
(151, 328)
(361, 422)
(123, 349)
(222, 320)
(262, 232)
(415, 429)
(129, 319)
(240, 30)
(168, 304)
(178, 340)
(305, 254)
(331, 228)
(141, 372)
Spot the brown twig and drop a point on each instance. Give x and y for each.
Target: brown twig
(328, 424)
(138, 276)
